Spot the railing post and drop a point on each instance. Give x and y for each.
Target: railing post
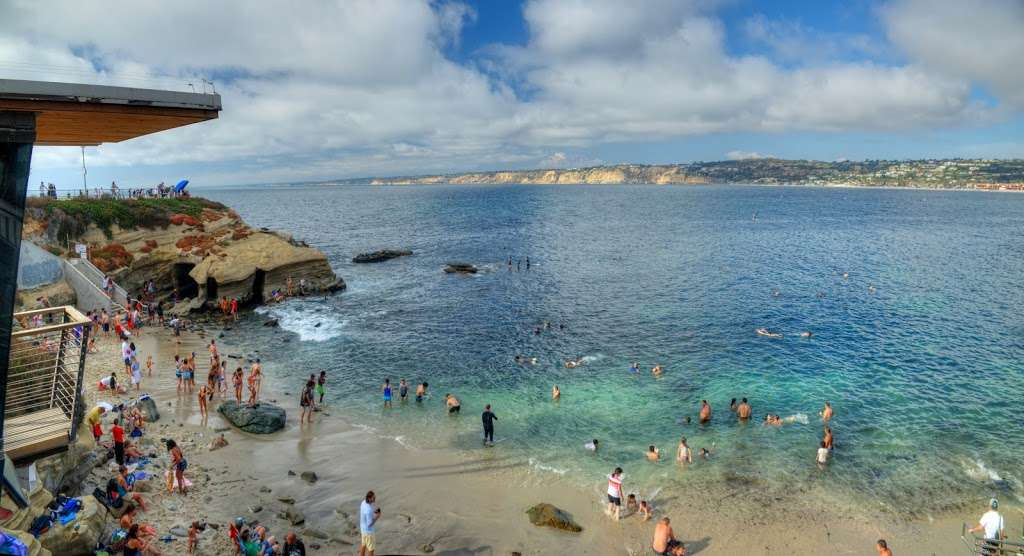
(77, 410)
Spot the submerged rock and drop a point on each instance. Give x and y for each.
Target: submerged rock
(271, 322)
(461, 268)
(309, 477)
(546, 515)
(148, 408)
(380, 256)
(264, 418)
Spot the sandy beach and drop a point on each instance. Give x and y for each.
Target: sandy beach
(443, 502)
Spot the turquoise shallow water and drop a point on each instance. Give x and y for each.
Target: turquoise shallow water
(924, 371)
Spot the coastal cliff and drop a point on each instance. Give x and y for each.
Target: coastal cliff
(199, 247)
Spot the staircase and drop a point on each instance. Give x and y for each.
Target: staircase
(87, 281)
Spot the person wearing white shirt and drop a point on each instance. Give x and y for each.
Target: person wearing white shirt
(992, 524)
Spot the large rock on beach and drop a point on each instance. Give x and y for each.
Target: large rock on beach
(380, 256)
(78, 537)
(546, 515)
(148, 408)
(460, 268)
(264, 418)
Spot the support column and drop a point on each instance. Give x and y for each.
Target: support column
(17, 134)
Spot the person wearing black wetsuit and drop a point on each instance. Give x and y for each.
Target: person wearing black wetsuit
(489, 418)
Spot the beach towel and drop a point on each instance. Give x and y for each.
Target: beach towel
(9, 544)
(168, 477)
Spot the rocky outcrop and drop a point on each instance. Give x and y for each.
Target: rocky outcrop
(546, 515)
(460, 268)
(380, 256)
(264, 418)
(206, 254)
(149, 410)
(78, 537)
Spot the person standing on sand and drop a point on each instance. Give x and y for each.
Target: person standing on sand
(149, 365)
(234, 308)
(255, 378)
(705, 411)
(306, 402)
(321, 383)
(488, 418)
(93, 418)
(615, 493)
(178, 465)
(117, 433)
(289, 284)
(743, 410)
(826, 414)
(204, 394)
(368, 516)
(386, 388)
(883, 548)
(663, 536)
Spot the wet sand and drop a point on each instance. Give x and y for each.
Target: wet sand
(446, 502)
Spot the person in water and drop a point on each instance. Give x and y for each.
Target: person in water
(827, 441)
(732, 405)
(657, 370)
(403, 391)
(421, 391)
(684, 453)
(321, 384)
(592, 445)
(822, 455)
(386, 388)
(306, 402)
(743, 410)
(826, 413)
(634, 368)
(452, 403)
(488, 417)
(556, 394)
(807, 334)
(705, 411)
(615, 494)
(653, 454)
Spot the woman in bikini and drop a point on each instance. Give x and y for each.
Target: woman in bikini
(236, 380)
(178, 464)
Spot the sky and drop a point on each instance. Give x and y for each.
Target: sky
(318, 90)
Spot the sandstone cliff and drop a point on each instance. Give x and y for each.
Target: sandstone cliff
(199, 247)
(625, 173)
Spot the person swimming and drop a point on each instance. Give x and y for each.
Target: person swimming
(634, 368)
(657, 370)
(573, 363)
(555, 393)
(806, 334)
(652, 453)
(768, 333)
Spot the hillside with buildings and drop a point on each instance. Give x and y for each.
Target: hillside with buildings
(937, 174)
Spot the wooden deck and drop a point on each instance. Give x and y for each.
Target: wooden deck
(35, 433)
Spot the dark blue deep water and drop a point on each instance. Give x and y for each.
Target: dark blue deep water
(925, 370)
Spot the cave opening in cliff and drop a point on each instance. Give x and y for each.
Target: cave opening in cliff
(185, 284)
(211, 289)
(258, 280)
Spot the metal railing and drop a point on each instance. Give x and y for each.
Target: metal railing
(47, 363)
(96, 276)
(980, 546)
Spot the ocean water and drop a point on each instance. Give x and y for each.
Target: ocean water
(918, 347)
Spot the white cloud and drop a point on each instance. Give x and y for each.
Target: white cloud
(329, 88)
(746, 155)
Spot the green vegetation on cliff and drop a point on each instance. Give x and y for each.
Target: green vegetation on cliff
(73, 216)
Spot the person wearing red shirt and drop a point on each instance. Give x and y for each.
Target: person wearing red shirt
(118, 433)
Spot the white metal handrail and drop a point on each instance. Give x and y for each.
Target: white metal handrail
(96, 276)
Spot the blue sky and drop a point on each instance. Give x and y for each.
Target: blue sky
(336, 89)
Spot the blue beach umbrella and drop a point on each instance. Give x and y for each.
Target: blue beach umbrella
(181, 186)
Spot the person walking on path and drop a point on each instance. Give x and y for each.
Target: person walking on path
(993, 526)
(369, 513)
(489, 418)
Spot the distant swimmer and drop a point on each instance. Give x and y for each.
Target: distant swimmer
(743, 410)
(592, 445)
(653, 454)
(421, 391)
(634, 368)
(770, 419)
(846, 275)
(573, 363)
(826, 413)
(556, 394)
(452, 403)
(705, 453)
(806, 334)
(657, 370)
(821, 295)
(776, 293)
(766, 332)
(705, 411)
(871, 289)
(732, 405)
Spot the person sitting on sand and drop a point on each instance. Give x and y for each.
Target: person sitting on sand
(116, 495)
(293, 546)
(657, 370)
(452, 403)
(135, 545)
(137, 422)
(705, 411)
(146, 532)
(653, 454)
(684, 453)
(555, 393)
(826, 413)
(663, 535)
(743, 410)
(110, 383)
(128, 482)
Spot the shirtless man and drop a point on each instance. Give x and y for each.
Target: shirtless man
(663, 535)
(556, 394)
(705, 412)
(743, 410)
(657, 370)
(452, 403)
(826, 414)
(883, 548)
(421, 391)
(827, 441)
(653, 454)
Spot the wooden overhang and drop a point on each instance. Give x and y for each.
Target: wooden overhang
(71, 114)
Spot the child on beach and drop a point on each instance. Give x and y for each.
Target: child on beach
(306, 402)
(320, 384)
(204, 392)
(149, 364)
(193, 537)
(645, 509)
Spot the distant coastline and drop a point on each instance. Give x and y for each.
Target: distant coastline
(964, 174)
